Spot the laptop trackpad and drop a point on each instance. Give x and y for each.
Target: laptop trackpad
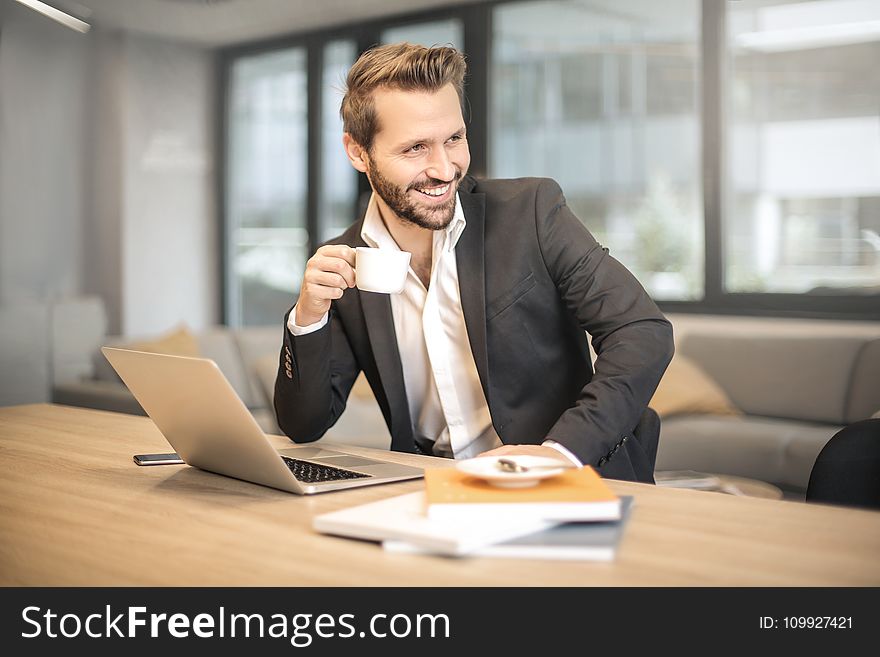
(346, 461)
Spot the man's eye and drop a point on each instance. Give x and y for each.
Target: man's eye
(455, 138)
(416, 149)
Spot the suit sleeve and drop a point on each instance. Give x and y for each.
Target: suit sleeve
(631, 337)
(315, 374)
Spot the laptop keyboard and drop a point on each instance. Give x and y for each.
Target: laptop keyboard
(314, 473)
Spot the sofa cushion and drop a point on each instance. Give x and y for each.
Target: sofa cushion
(103, 395)
(24, 349)
(864, 387)
(778, 451)
(686, 388)
(78, 327)
(265, 417)
(795, 376)
(219, 345)
(176, 342)
(253, 344)
(103, 369)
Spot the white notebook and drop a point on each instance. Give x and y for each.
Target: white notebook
(571, 541)
(403, 518)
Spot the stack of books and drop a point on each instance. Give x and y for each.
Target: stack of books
(574, 515)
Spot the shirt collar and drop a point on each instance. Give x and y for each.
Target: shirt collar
(375, 233)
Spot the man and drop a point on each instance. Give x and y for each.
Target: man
(485, 350)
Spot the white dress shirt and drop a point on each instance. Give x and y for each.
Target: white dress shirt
(446, 401)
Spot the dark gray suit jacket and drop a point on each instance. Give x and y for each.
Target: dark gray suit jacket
(532, 280)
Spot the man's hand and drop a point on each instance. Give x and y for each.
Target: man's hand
(328, 274)
(527, 450)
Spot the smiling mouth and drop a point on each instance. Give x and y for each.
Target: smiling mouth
(434, 191)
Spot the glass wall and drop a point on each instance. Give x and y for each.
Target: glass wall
(266, 232)
(778, 212)
(605, 99)
(804, 146)
(429, 33)
(338, 197)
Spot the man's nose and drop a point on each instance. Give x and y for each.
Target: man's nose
(440, 166)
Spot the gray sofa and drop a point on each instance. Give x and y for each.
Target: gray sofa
(50, 352)
(237, 352)
(796, 384)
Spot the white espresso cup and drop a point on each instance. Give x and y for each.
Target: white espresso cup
(380, 270)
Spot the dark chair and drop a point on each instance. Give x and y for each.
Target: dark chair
(847, 470)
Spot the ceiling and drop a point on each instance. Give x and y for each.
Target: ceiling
(225, 22)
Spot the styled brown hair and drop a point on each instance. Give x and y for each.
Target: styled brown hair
(402, 66)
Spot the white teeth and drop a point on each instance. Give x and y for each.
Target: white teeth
(437, 191)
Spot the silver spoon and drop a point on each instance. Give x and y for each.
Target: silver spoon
(508, 465)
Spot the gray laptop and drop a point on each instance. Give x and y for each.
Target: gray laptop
(203, 418)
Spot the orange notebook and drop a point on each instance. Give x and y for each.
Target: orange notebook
(573, 496)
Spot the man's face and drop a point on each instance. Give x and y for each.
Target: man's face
(419, 155)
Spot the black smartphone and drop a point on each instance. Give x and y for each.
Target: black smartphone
(157, 459)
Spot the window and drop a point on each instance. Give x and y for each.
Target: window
(266, 232)
(728, 153)
(606, 102)
(339, 185)
(804, 147)
(427, 33)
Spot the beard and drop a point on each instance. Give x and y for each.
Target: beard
(435, 217)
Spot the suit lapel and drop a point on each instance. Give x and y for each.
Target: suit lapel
(470, 262)
(383, 341)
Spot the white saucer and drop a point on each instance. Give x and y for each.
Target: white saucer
(486, 468)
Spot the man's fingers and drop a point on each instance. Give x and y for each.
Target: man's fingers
(525, 450)
(332, 264)
(328, 279)
(342, 251)
(328, 274)
(319, 295)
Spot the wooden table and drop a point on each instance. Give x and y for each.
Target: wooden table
(75, 510)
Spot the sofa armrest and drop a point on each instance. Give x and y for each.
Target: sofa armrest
(102, 395)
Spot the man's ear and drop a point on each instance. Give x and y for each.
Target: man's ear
(357, 155)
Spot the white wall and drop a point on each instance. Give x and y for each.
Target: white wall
(106, 173)
(169, 234)
(43, 112)
(103, 265)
